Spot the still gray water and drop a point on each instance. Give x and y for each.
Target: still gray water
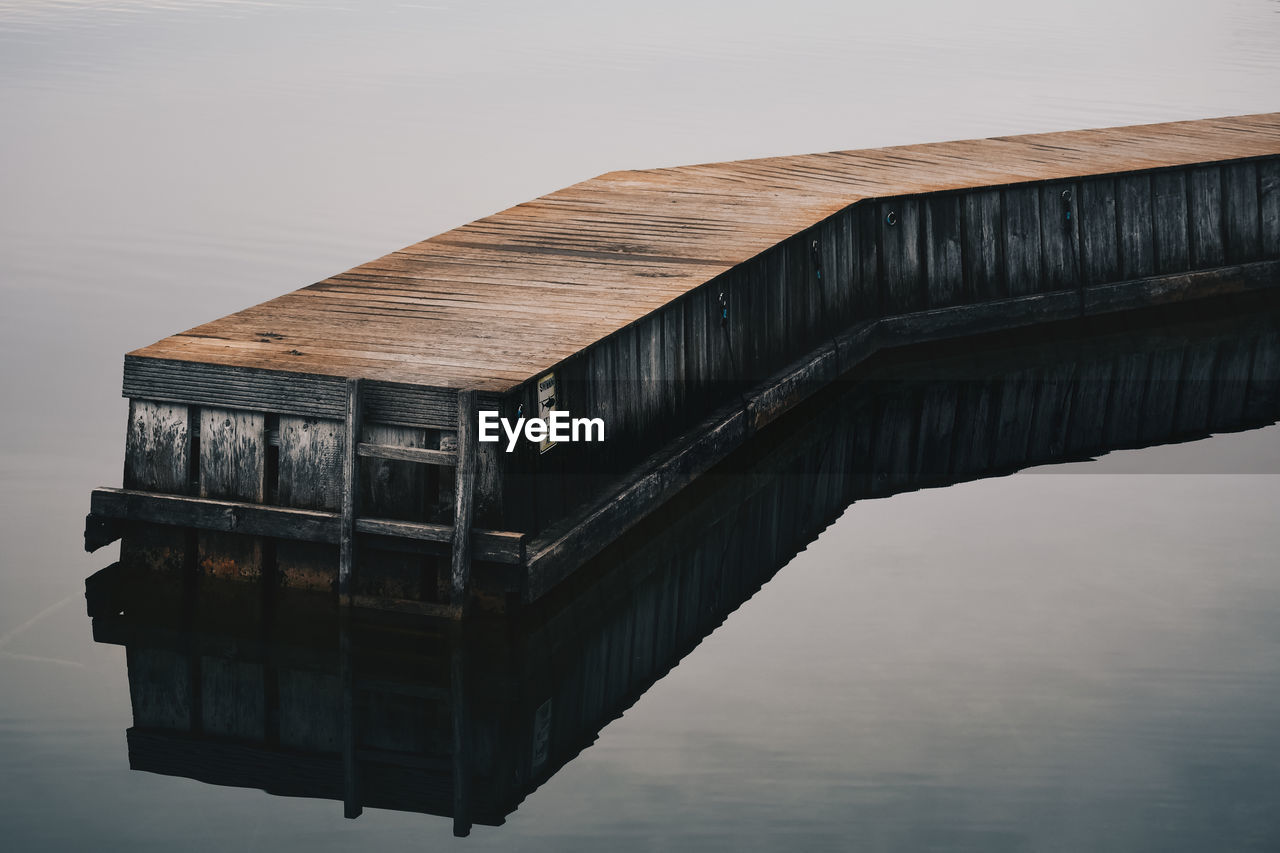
(1038, 661)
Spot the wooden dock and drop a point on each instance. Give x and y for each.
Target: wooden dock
(269, 688)
(327, 437)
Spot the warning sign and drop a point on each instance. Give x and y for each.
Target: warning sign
(546, 405)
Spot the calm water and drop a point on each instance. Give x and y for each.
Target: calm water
(1036, 662)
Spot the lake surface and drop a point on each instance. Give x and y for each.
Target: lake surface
(1031, 662)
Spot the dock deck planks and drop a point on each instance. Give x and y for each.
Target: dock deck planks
(493, 303)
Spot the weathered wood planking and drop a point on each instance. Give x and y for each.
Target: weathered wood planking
(157, 458)
(233, 456)
(491, 303)
(660, 296)
(310, 477)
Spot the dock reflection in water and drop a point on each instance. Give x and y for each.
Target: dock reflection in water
(255, 686)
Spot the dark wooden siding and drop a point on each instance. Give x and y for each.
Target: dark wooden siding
(667, 371)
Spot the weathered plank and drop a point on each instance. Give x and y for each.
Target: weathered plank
(233, 455)
(1269, 206)
(310, 466)
(157, 457)
(1136, 226)
(1242, 236)
(1171, 231)
(902, 287)
(983, 242)
(1022, 249)
(1099, 249)
(1204, 216)
(866, 292)
(310, 477)
(157, 447)
(943, 250)
(403, 453)
(1059, 236)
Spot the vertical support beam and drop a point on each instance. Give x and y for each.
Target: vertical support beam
(463, 498)
(350, 493)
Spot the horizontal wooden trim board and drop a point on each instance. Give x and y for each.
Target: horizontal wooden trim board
(280, 522)
(422, 455)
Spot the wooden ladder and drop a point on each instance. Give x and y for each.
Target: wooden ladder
(463, 461)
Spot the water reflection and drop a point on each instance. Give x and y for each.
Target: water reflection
(255, 686)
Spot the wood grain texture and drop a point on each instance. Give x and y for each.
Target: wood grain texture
(983, 246)
(1136, 225)
(157, 458)
(310, 472)
(1171, 231)
(495, 302)
(233, 455)
(310, 477)
(157, 447)
(1241, 232)
(1022, 240)
(1099, 246)
(900, 225)
(1059, 236)
(1269, 207)
(1204, 215)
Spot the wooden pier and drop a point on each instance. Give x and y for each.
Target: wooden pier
(270, 688)
(327, 438)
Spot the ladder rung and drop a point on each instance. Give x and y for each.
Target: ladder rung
(408, 454)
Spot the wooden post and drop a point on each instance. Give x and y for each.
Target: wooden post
(350, 493)
(463, 499)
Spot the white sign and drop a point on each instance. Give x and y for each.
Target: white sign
(546, 405)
